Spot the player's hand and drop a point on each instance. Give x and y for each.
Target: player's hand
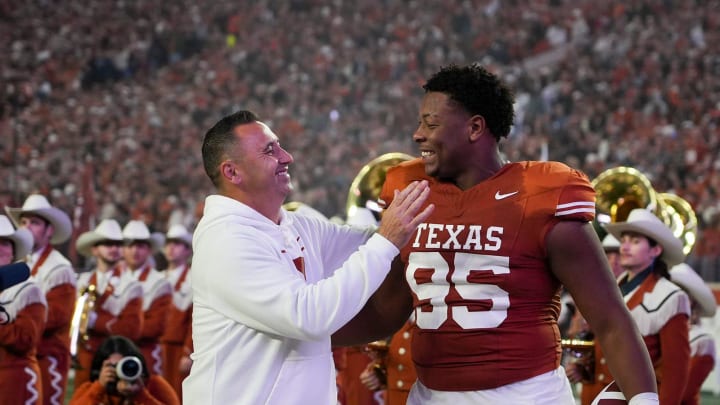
(403, 215)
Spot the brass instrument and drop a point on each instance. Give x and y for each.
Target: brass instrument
(581, 352)
(684, 221)
(81, 317)
(621, 189)
(378, 350)
(365, 188)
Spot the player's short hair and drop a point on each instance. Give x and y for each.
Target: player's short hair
(479, 92)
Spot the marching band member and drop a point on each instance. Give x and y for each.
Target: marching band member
(661, 309)
(55, 275)
(114, 297)
(611, 246)
(157, 292)
(22, 318)
(177, 338)
(702, 343)
(397, 367)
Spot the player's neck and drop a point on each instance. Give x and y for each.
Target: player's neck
(484, 168)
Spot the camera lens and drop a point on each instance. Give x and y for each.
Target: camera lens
(129, 368)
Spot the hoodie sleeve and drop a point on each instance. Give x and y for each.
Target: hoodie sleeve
(240, 272)
(337, 242)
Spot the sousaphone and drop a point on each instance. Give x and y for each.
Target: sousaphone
(365, 188)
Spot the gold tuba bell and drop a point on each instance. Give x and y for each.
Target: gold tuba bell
(683, 220)
(621, 189)
(365, 188)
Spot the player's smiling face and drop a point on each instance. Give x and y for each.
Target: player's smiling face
(442, 136)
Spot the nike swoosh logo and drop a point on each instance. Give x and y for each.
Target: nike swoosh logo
(499, 196)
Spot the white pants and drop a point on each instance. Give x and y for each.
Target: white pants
(552, 388)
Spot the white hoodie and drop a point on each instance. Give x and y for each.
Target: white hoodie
(261, 331)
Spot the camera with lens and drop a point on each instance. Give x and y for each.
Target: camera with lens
(129, 368)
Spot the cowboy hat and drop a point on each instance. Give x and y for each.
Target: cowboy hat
(361, 217)
(646, 223)
(179, 233)
(136, 230)
(108, 229)
(610, 243)
(22, 238)
(37, 204)
(303, 209)
(684, 276)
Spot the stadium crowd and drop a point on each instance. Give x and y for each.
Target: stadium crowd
(103, 103)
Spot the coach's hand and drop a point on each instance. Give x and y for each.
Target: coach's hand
(403, 216)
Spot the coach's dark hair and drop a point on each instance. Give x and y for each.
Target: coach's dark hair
(479, 92)
(219, 138)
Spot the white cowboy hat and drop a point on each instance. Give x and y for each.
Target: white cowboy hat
(646, 223)
(610, 242)
(361, 217)
(180, 233)
(22, 238)
(37, 204)
(303, 209)
(108, 229)
(684, 276)
(137, 230)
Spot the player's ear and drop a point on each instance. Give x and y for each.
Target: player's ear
(476, 127)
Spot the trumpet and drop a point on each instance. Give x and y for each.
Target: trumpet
(84, 305)
(379, 350)
(581, 352)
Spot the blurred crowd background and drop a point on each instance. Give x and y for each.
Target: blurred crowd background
(104, 103)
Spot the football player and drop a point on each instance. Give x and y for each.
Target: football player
(485, 269)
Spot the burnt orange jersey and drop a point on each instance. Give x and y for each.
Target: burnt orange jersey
(486, 302)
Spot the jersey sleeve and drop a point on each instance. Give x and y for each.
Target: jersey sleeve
(558, 191)
(398, 177)
(555, 193)
(577, 199)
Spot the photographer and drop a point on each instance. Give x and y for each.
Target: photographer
(119, 375)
